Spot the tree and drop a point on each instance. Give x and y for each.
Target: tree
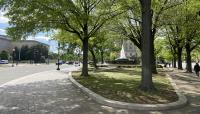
(172, 47)
(80, 17)
(191, 31)
(178, 41)
(130, 23)
(146, 81)
(69, 43)
(37, 53)
(24, 55)
(182, 26)
(97, 44)
(192, 41)
(4, 55)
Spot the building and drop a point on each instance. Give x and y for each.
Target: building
(6, 44)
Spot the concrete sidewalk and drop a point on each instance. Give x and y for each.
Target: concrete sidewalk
(51, 92)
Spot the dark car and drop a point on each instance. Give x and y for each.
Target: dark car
(70, 62)
(60, 62)
(77, 63)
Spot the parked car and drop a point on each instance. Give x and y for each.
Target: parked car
(3, 61)
(60, 62)
(77, 63)
(70, 62)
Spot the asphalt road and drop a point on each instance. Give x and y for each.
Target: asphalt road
(8, 73)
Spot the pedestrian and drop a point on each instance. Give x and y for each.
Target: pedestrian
(197, 69)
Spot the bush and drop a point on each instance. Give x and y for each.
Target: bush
(4, 55)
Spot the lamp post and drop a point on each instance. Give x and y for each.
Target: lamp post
(19, 58)
(13, 54)
(58, 63)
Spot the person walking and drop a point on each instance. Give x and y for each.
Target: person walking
(197, 69)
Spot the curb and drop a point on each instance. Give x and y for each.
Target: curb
(182, 100)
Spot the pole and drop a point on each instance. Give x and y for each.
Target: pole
(58, 57)
(13, 57)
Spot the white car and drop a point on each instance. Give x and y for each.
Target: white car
(3, 61)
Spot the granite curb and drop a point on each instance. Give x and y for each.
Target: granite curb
(182, 100)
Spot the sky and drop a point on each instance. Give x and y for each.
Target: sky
(41, 37)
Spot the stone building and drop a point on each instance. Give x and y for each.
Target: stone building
(8, 45)
(5, 43)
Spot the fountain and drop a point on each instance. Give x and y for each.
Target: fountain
(122, 58)
(122, 53)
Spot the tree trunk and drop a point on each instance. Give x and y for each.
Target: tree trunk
(179, 54)
(174, 61)
(94, 59)
(146, 81)
(188, 58)
(180, 58)
(85, 57)
(154, 70)
(102, 58)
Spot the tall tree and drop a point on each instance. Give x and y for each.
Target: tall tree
(146, 82)
(192, 30)
(183, 30)
(81, 17)
(130, 24)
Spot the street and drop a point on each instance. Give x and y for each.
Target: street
(8, 73)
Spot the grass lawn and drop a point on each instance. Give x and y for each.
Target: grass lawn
(121, 84)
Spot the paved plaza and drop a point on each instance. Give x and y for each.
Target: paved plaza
(8, 73)
(50, 92)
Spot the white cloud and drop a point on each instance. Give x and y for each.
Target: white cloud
(2, 32)
(3, 19)
(39, 38)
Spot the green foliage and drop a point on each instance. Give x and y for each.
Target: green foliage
(69, 44)
(38, 53)
(25, 53)
(4, 55)
(182, 25)
(29, 17)
(103, 41)
(53, 55)
(113, 55)
(162, 49)
(196, 54)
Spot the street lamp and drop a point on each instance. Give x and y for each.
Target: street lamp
(58, 63)
(13, 54)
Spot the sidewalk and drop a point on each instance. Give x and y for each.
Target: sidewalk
(51, 92)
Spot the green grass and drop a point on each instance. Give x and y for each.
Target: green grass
(121, 84)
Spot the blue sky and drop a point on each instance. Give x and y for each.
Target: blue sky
(41, 37)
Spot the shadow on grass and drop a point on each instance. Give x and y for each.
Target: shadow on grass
(126, 88)
(127, 71)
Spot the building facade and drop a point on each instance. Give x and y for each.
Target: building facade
(6, 44)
